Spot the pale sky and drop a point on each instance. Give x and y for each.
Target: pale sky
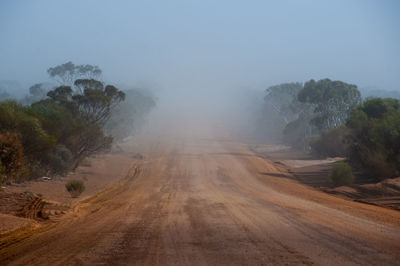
(204, 44)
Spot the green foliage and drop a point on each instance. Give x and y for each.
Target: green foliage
(96, 101)
(306, 111)
(284, 112)
(341, 174)
(88, 110)
(334, 101)
(32, 171)
(16, 118)
(56, 119)
(375, 137)
(11, 157)
(333, 142)
(370, 138)
(54, 134)
(75, 187)
(59, 161)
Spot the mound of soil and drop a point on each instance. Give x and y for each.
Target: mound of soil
(385, 193)
(314, 172)
(25, 205)
(97, 174)
(10, 223)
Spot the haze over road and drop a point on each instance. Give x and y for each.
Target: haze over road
(201, 197)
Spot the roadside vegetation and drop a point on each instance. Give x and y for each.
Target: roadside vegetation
(53, 129)
(75, 187)
(329, 118)
(341, 174)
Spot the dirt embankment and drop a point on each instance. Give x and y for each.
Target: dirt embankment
(314, 172)
(32, 204)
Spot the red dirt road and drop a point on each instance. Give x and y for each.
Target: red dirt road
(210, 201)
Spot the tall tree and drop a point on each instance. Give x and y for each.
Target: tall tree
(96, 101)
(91, 106)
(334, 100)
(67, 73)
(281, 99)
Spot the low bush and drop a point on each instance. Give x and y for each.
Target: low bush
(341, 174)
(332, 143)
(11, 157)
(75, 187)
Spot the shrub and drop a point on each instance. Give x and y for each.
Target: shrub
(16, 118)
(375, 137)
(59, 161)
(341, 174)
(11, 156)
(332, 142)
(75, 187)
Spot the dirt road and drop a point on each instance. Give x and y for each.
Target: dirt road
(203, 200)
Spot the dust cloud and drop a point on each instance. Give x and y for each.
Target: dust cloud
(203, 60)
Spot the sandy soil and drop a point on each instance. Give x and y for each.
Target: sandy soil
(10, 223)
(200, 199)
(97, 174)
(308, 170)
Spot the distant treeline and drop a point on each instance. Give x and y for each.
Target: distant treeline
(51, 131)
(330, 119)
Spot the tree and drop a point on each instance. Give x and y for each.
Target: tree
(58, 120)
(11, 156)
(285, 114)
(37, 92)
(15, 117)
(67, 73)
(129, 115)
(96, 101)
(332, 142)
(334, 101)
(53, 135)
(375, 137)
(59, 161)
(90, 141)
(282, 100)
(90, 108)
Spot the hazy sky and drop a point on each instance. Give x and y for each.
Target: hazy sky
(202, 44)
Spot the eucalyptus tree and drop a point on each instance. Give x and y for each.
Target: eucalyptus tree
(281, 100)
(67, 73)
(91, 106)
(333, 100)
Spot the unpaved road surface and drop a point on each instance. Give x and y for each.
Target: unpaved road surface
(199, 199)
